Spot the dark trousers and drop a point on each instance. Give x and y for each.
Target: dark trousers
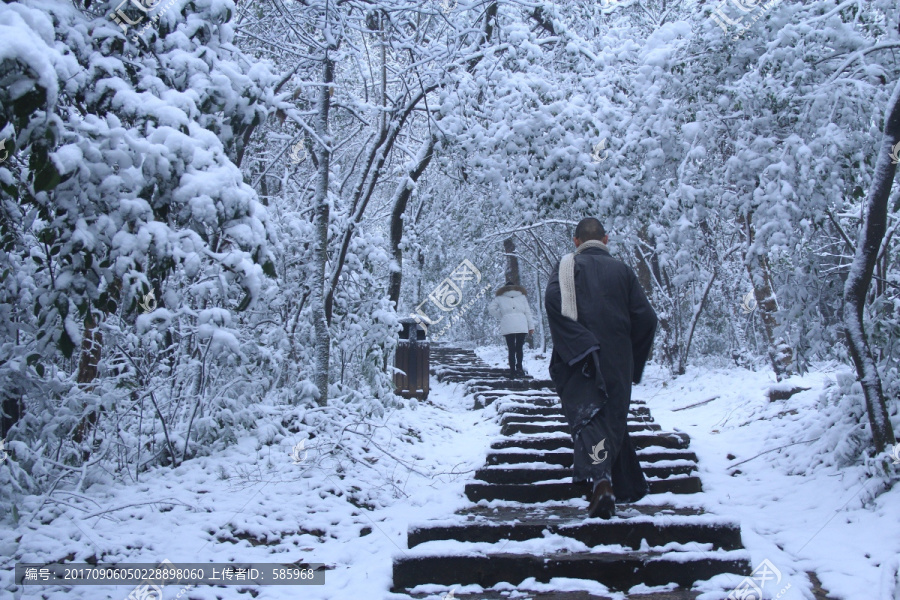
(602, 446)
(596, 448)
(603, 450)
(514, 343)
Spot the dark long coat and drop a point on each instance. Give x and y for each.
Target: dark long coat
(616, 319)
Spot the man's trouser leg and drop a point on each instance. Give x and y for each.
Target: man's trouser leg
(627, 476)
(603, 450)
(594, 451)
(598, 443)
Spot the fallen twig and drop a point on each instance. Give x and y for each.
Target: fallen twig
(163, 501)
(696, 404)
(772, 450)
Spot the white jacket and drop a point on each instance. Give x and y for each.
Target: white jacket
(511, 307)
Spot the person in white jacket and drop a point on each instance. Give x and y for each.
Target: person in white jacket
(511, 306)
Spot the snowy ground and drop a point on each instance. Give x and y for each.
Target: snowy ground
(798, 509)
(253, 504)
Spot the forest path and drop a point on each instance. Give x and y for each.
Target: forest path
(527, 524)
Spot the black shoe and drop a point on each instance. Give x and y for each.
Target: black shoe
(512, 374)
(520, 372)
(603, 501)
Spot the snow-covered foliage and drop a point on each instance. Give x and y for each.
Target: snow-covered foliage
(730, 172)
(131, 244)
(196, 220)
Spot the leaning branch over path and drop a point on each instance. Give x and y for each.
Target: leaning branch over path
(401, 198)
(505, 233)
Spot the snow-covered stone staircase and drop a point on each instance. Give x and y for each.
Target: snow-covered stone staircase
(527, 523)
(458, 365)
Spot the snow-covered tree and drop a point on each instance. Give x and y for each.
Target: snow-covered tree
(131, 242)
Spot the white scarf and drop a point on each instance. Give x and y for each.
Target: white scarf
(567, 278)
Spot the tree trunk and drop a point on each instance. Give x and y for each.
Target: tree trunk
(540, 320)
(648, 271)
(323, 337)
(644, 275)
(13, 410)
(379, 153)
(91, 345)
(88, 369)
(695, 317)
(512, 261)
(860, 278)
(779, 352)
(401, 198)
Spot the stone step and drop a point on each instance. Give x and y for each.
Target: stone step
(514, 428)
(657, 530)
(464, 370)
(538, 401)
(545, 386)
(532, 401)
(527, 395)
(548, 492)
(443, 371)
(564, 458)
(521, 394)
(570, 511)
(439, 347)
(539, 398)
(515, 417)
(480, 379)
(560, 422)
(439, 364)
(518, 475)
(526, 594)
(478, 385)
(526, 410)
(618, 571)
(675, 441)
(468, 370)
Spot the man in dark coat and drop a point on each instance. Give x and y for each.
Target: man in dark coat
(602, 327)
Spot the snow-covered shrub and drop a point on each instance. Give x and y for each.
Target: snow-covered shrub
(132, 248)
